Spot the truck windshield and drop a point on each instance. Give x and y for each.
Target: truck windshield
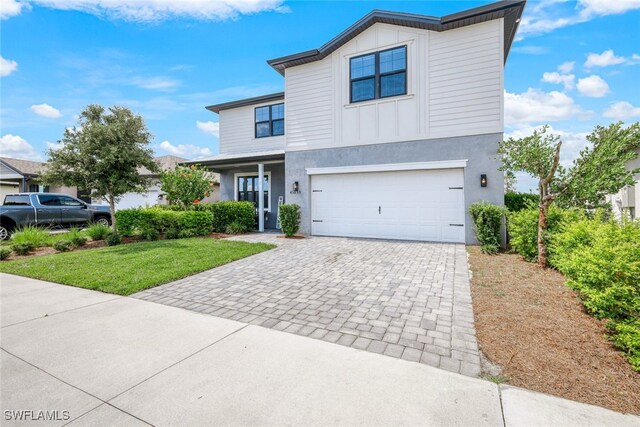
(16, 200)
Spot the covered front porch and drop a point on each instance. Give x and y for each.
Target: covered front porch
(254, 177)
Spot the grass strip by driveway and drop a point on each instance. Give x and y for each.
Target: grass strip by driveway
(133, 267)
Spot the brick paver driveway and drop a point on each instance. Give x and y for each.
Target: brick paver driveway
(403, 299)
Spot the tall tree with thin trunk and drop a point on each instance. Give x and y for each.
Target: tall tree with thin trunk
(103, 153)
(600, 169)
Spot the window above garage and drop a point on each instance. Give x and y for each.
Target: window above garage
(378, 75)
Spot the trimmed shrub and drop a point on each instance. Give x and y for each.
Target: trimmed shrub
(523, 228)
(132, 221)
(186, 234)
(23, 248)
(98, 231)
(150, 234)
(63, 245)
(515, 202)
(226, 212)
(113, 239)
(487, 219)
(172, 233)
(236, 228)
(289, 216)
(4, 253)
(601, 259)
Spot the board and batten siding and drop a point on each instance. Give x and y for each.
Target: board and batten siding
(237, 131)
(454, 88)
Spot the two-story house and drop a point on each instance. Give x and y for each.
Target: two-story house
(389, 130)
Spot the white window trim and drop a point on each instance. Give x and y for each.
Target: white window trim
(387, 167)
(241, 174)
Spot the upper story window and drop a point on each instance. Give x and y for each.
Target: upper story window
(270, 120)
(379, 75)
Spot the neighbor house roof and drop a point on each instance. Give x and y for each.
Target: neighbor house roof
(165, 163)
(216, 108)
(24, 167)
(510, 10)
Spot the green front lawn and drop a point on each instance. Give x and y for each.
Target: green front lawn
(130, 268)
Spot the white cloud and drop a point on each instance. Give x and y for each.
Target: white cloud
(55, 146)
(212, 128)
(535, 106)
(531, 50)
(46, 110)
(18, 148)
(159, 10)
(7, 66)
(154, 83)
(567, 80)
(621, 110)
(603, 59)
(9, 8)
(593, 86)
(566, 67)
(185, 150)
(607, 7)
(546, 16)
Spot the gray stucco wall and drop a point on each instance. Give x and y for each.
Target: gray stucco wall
(276, 184)
(479, 150)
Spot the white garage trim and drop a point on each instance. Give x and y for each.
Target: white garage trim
(388, 167)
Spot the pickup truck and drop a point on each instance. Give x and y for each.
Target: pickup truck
(48, 210)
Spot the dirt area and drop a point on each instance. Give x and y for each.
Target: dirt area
(535, 328)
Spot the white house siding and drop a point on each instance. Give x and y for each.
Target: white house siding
(454, 88)
(237, 131)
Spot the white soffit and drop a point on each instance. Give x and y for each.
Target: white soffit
(388, 167)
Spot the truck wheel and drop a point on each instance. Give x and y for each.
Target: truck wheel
(103, 220)
(4, 233)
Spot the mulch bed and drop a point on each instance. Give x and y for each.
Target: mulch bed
(47, 250)
(536, 329)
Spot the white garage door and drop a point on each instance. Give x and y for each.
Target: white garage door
(137, 200)
(413, 205)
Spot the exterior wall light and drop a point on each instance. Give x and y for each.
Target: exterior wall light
(483, 180)
(296, 188)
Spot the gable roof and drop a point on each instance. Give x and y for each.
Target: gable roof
(164, 163)
(247, 101)
(510, 10)
(24, 167)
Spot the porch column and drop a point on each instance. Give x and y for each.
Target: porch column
(260, 197)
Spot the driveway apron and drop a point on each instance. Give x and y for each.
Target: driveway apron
(409, 300)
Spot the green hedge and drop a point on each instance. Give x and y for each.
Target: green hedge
(523, 228)
(138, 221)
(601, 259)
(220, 216)
(487, 219)
(515, 202)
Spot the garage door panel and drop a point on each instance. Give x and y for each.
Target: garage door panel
(414, 205)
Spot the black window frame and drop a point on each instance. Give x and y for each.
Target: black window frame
(377, 76)
(254, 192)
(270, 121)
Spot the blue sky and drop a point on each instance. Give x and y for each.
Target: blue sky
(574, 65)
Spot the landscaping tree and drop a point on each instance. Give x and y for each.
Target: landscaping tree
(103, 153)
(186, 185)
(599, 169)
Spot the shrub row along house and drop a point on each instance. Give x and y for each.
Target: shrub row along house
(389, 130)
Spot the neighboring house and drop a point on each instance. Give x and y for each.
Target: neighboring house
(627, 201)
(154, 196)
(389, 130)
(18, 175)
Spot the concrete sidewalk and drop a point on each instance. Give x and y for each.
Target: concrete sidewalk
(88, 358)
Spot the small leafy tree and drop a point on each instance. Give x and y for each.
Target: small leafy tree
(289, 216)
(599, 170)
(186, 185)
(103, 153)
